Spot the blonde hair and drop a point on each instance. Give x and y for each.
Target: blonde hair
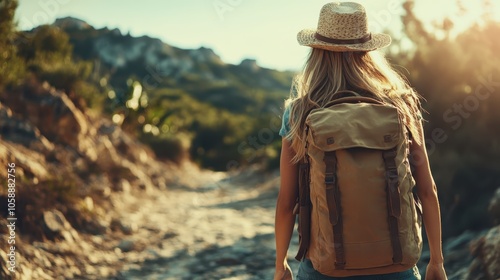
(368, 73)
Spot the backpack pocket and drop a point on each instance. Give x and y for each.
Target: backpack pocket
(348, 125)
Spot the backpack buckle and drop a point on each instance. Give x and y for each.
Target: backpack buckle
(390, 154)
(340, 265)
(330, 179)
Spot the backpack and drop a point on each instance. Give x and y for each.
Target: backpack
(358, 214)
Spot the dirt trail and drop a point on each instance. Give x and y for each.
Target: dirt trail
(208, 226)
(204, 225)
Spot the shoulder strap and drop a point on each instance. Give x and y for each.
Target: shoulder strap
(304, 206)
(353, 99)
(345, 93)
(332, 194)
(393, 202)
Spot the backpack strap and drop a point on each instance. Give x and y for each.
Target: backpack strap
(353, 99)
(304, 212)
(393, 202)
(345, 92)
(303, 206)
(334, 209)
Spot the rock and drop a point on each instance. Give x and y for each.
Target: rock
(81, 166)
(487, 251)
(56, 248)
(250, 64)
(71, 23)
(494, 207)
(117, 224)
(228, 259)
(4, 272)
(55, 115)
(16, 130)
(170, 234)
(67, 236)
(126, 245)
(55, 225)
(89, 203)
(474, 272)
(96, 227)
(125, 186)
(460, 242)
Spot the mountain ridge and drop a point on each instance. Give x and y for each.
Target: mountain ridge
(119, 51)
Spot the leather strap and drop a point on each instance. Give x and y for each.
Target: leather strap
(346, 91)
(303, 206)
(393, 202)
(304, 211)
(361, 40)
(334, 209)
(353, 99)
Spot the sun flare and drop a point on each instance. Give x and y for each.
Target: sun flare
(456, 14)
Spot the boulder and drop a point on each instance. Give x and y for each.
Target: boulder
(56, 226)
(119, 225)
(21, 132)
(55, 115)
(494, 207)
(487, 253)
(126, 245)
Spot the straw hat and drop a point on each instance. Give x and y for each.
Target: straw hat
(343, 26)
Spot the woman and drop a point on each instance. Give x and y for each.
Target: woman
(342, 58)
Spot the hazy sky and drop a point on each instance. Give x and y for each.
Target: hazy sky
(235, 29)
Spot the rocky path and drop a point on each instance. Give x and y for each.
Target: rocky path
(220, 226)
(204, 225)
(208, 226)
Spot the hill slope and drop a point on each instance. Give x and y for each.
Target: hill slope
(201, 107)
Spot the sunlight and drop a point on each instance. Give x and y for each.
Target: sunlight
(462, 14)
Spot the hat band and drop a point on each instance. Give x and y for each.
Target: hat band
(361, 40)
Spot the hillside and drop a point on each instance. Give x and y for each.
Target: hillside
(195, 85)
(96, 202)
(244, 88)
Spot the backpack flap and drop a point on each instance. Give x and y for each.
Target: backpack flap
(350, 125)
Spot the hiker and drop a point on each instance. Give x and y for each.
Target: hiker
(353, 162)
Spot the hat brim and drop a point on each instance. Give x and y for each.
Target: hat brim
(306, 38)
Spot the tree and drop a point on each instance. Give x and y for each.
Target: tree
(459, 78)
(11, 67)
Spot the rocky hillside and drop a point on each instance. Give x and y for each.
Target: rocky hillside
(67, 161)
(199, 72)
(200, 106)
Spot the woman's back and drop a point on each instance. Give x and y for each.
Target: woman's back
(324, 152)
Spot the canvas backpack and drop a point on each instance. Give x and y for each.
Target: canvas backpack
(358, 214)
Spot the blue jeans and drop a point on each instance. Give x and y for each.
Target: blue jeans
(307, 272)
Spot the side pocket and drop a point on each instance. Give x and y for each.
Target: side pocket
(419, 212)
(418, 206)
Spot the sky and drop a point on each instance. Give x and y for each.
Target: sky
(236, 29)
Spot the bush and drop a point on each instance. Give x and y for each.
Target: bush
(167, 147)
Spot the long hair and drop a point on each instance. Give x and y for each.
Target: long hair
(368, 73)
